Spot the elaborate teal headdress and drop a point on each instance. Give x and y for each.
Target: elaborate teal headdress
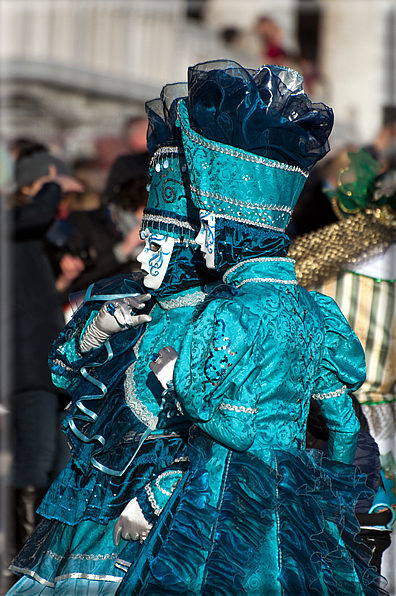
(169, 210)
(238, 185)
(250, 138)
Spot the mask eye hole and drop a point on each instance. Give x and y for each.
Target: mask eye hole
(154, 247)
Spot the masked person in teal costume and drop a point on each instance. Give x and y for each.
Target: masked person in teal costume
(128, 446)
(260, 515)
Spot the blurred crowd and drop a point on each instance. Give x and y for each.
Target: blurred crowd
(70, 224)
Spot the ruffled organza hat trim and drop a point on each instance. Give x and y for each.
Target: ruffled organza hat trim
(264, 112)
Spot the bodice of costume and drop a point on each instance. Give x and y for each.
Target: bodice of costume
(250, 363)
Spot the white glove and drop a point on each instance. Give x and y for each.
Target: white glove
(114, 316)
(164, 365)
(131, 525)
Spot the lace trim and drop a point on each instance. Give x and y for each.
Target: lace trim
(167, 150)
(249, 205)
(226, 149)
(272, 280)
(188, 300)
(152, 500)
(249, 222)
(257, 260)
(58, 362)
(180, 459)
(82, 557)
(238, 409)
(169, 220)
(320, 396)
(138, 408)
(164, 475)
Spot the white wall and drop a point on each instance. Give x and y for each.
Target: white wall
(353, 62)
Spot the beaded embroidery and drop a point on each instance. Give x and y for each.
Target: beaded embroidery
(152, 500)
(169, 220)
(164, 151)
(238, 409)
(337, 393)
(164, 475)
(293, 282)
(249, 204)
(248, 222)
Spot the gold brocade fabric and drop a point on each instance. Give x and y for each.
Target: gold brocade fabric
(319, 255)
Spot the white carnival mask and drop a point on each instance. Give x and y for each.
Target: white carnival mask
(154, 258)
(206, 237)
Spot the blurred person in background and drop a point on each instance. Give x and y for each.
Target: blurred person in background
(313, 209)
(40, 449)
(98, 238)
(273, 50)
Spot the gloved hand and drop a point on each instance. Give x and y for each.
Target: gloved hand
(131, 525)
(114, 316)
(164, 365)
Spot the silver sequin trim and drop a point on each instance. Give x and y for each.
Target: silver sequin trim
(180, 459)
(249, 222)
(152, 500)
(225, 149)
(138, 408)
(257, 260)
(164, 475)
(238, 409)
(169, 220)
(320, 396)
(188, 300)
(271, 280)
(248, 205)
(82, 557)
(168, 150)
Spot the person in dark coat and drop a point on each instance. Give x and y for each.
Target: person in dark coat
(40, 449)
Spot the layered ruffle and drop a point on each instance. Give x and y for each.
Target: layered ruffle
(320, 547)
(75, 496)
(262, 111)
(161, 114)
(290, 528)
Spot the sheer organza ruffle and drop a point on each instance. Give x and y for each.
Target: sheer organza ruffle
(263, 111)
(319, 533)
(305, 501)
(161, 113)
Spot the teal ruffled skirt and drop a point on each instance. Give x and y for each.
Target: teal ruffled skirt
(288, 529)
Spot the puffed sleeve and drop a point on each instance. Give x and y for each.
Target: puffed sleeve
(214, 371)
(342, 370)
